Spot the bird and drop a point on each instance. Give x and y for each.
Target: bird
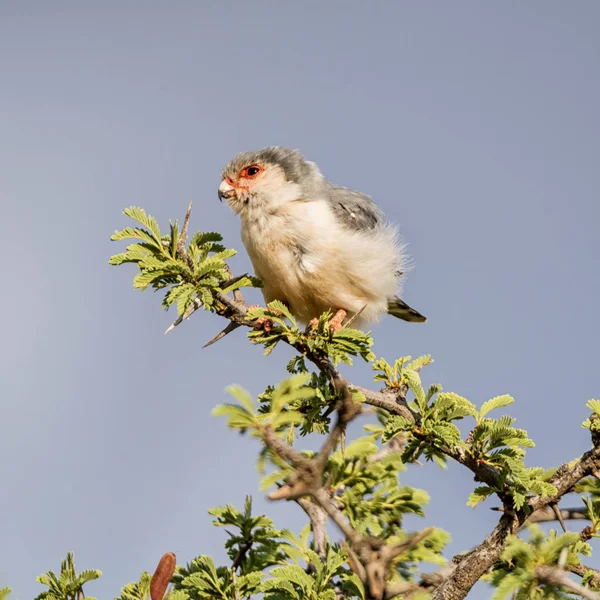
(316, 246)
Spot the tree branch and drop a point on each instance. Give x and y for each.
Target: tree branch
(471, 567)
(318, 522)
(553, 576)
(582, 570)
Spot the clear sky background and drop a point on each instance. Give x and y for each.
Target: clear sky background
(474, 125)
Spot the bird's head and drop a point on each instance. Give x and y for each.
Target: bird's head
(265, 179)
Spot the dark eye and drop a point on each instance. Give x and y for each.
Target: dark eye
(251, 171)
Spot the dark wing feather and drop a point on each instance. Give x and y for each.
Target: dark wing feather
(354, 210)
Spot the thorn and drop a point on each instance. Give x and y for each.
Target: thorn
(196, 304)
(231, 327)
(354, 317)
(558, 515)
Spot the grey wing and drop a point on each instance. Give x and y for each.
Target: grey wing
(354, 210)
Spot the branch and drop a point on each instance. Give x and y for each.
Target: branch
(566, 477)
(553, 576)
(183, 237)
(548, 514)
(318, 522)
(323, 500)
(582, 570)
(477, 562)
(309, 481)
(293, 457)
(347, 410)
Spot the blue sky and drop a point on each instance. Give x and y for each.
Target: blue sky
(474, 125)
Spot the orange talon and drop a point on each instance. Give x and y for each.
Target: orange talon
(312, 324)
(263, 323)
(336, 323)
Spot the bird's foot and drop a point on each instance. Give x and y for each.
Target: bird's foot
(264, 323)
(335, 324)
(312, 325)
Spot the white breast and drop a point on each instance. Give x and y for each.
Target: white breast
(306, 259)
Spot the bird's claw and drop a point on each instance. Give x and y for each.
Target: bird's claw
(335, 324)
(264, 323)
(312, 325)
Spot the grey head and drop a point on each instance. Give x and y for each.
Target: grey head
(275, 174)
(268, 177)
(295, 167)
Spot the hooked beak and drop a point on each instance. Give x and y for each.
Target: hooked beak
(226, 190)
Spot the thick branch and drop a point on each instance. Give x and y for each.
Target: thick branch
(476, 563)
(471, 567)
(566, 477)
(318, 522)
(293, 457)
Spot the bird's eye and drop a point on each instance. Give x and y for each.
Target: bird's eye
(251, 171)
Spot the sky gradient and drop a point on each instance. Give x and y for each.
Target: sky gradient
(476, 128)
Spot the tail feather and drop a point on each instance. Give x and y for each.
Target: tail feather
(403, 311)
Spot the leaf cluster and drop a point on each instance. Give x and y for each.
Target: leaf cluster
(191, 275)
(492, 442)
(319, 341)
(515, 573)
(68, 584)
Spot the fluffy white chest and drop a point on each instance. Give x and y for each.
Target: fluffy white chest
(307, 260)
(288, 245)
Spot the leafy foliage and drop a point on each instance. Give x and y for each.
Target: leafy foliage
(320, 341)
(361, 477)
(162, 264)
(493, 442)
(366, 488)
(67, 585)
(593, 422)
(516, 572)
(137, 590)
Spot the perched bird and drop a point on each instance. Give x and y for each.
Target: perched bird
(316, 246)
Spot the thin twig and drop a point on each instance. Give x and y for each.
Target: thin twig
(183, 238)
(553, 576)
(583, 570)
(237, 294)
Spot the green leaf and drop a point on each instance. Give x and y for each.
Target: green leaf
(139, 214)
(497, 402)
(594, 405)
(414, 383)
(4, 592)
(237, 417)
(479, 494)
